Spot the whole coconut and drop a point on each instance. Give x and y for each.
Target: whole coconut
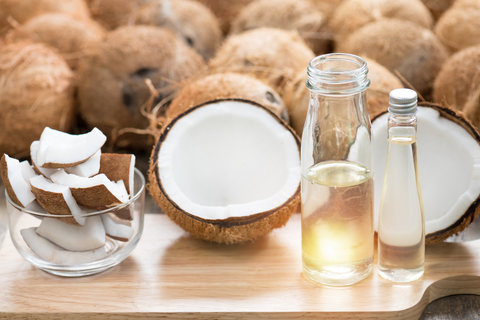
(328, 7)
(22, 10)
(271, 55)
(223, 86)
(115, 13)
(225, 10)
(190, 20)
(382, 82)
(438, 7)
(351, 15)
(300, 15)
(36, 91)
(459, 27)
(112, 84)
(458, 79)
(401, 46)
(70, 36)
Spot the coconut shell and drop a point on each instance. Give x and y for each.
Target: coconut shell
(401, 46)
(36, 91)
(112, 79)
(116, 167)
(6, 181)
(351, 15)
(23, 10)
(472, 108)
(459, 27)
(228, 231)
(190, 20)
(95, 198)
(115, 13)
(271, 55)
(300, 15)
(382, 82)
(226, 85)
(225, 11)
(69, 36)
(458, 79)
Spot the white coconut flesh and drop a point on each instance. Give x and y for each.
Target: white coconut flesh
(33, 155)
(90, 236)
(45, 189)
(49, 251)
(228, 159)
(449, 167)
(116, 229)
(59, 149)
(27, 171)
(18, 185)
(88, 168)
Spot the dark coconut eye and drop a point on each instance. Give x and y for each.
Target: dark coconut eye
(270, 97)
(127, 99)
(189, 41)
(143, 72)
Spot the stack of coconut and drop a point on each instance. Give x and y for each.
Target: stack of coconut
(144, 70)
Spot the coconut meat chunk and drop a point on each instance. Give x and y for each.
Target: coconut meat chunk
(27, 171)
(88, 168)
(116, 229)
(17, 188)
(33, 155)
(449, 167)
(60, 150)
(228, 159)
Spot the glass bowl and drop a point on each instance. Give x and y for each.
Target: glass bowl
(130, 213)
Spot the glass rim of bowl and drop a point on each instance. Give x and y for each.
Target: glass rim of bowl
(89, 213)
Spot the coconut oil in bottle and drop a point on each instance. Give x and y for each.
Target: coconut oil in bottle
(401, 226)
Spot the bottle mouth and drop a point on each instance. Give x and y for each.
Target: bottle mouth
(337, 73)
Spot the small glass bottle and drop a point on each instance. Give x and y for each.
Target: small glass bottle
(337, 177)
(401, 225)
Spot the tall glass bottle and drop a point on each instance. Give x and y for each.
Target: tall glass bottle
(337, 177)
(401, 224)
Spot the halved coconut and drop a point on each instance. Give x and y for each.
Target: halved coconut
(33, 155)
(227, 171)
(119, 167)
(96, 193)
(449, 169)
(62, 150)
(116, 229)
(88, 168)
(49, 251)
(17, 188)
(58, 200)
(90, 236)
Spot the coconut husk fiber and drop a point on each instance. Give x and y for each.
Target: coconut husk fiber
(71, 37)
(458, 79)
(23, 10)
(300, 15)
(328, 7)
(459, 27)
(36, 91)
(438, 7)
(114, 79)
(189, 19)
(115, 13)
(273, 56)
(225, 11)
(351, 15)
(226, 85)
(382, 82)
(400, 46)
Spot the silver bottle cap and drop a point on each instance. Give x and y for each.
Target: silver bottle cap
(403, 101)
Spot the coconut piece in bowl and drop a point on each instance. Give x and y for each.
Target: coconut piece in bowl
(227, 171)
(88, 168)
(116, 229)
(33, 156)
(119, 167)
(17, 188)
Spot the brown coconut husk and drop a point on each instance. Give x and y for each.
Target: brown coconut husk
(22, 10)
(225, 11)
(459, 27)
(228, 231)
(328, 7)
(401, 46)
(271, 55)
(113, 88)
(36, 91)
(95, 198)
(351, 15)
(6, 181)
(300, 15)
(382, 82)
(190, 20)
(115, 13)
(438, 7)
(474, 210)
(116, 167)
(472, 108)
(222, 86)
(54, 203)
(458, 79)
(71, 37)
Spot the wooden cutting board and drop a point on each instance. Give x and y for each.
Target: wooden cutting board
(172, 275)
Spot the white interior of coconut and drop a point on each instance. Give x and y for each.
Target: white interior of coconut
(20, 187)
(88, 168)
(33, 155)
(449, 167)
(229, 159)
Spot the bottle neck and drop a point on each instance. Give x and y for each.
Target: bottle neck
(402, 125)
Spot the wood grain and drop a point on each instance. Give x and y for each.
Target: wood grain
(174, 276)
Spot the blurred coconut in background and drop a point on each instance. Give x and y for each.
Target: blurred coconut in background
(225, 11)
(115, 13)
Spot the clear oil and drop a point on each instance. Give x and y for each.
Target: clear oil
(337, 222)
(401, 240)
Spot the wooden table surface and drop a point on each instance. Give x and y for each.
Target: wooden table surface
(172, 275)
